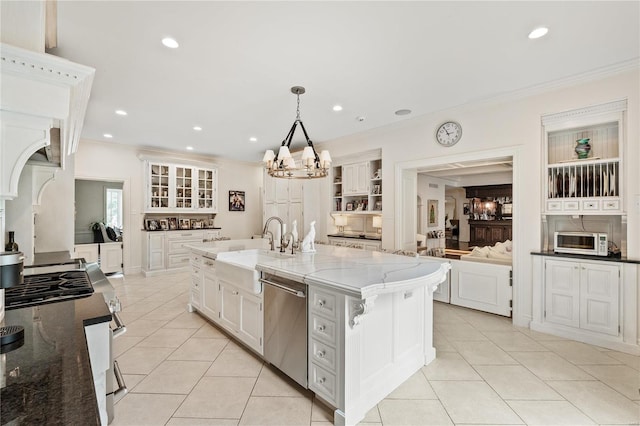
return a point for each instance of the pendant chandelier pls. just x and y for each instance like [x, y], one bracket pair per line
[284, 166]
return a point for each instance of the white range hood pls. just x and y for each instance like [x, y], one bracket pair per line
[38, 92]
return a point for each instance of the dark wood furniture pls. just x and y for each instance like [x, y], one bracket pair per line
[488, 191]
[489, 232]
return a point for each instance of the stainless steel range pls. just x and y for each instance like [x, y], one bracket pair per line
[75, 279]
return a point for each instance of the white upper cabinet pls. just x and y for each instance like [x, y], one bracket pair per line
[356, 178]
[178, 188]
[590, 181]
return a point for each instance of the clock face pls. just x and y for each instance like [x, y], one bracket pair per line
[449, 133]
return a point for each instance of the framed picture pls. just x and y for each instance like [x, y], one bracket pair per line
[210, 224]
[236, 201]
[185, 224]
[465, 209]
[196, 224]
[164, 224]
[349, 207]
[432, 212]
[173, 223]
[151, 225]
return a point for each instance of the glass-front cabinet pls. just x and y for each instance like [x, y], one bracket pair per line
[583, 160]
[158, 189]
[177, 188]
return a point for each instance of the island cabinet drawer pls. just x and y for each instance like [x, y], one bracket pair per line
[323, 329]
[323, 355]
[323, 383]
[324, 303]
[196, 259]
[178, 260]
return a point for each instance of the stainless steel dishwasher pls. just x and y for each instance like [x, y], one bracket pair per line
[285, 326]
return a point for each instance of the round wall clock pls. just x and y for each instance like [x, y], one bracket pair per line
[449, 133]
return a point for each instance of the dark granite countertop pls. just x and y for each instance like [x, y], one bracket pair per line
[48, 378]
[586, 257]
[357, 237]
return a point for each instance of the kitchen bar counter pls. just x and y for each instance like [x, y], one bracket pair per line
[48, 378]
[586, 257]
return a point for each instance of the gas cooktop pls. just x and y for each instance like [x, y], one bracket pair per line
[49, 287]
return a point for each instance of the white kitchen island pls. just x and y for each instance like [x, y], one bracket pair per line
[370, 317]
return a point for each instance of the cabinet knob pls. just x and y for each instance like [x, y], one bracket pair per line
[321, 328]
[234, 293]
[321, 354]
[321, 380]
[320, 302]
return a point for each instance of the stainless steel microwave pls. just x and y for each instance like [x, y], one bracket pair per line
[590, 243]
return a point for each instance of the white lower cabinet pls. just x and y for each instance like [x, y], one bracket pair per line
[210, 293]
[582, 295]
[111, 257]
[325, 335]
[234, 309]
[250, 329]
[195, 297]
[164, 250]
[89, 252]
[153, 251]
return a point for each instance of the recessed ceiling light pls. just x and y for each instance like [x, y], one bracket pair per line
[252, 139]
[197, 128]
[108, 135]
[189, 148]
[360, 118]
[538, 32]
[170, 42]
[121, 112]
[403, 112]
[337, 108]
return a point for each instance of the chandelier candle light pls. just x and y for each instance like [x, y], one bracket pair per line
[284, 166]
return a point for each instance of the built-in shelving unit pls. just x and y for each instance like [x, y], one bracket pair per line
[592, 185]
[357, 186]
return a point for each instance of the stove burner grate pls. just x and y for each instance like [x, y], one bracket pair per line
[47, 288]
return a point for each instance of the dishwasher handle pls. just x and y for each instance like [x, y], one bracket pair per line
[298, 293]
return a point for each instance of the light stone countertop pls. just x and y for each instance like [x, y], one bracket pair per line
[355, 272]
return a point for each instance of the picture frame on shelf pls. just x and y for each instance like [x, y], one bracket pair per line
[185, 224]
[465, 209]
[432, 212]
[196, 224]
[349, 207]
[236, 201]
[164, 224]
[210, 224]
[151, 225]
[378, 205]
[173, 223]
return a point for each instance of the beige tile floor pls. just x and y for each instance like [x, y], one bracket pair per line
[181, 370]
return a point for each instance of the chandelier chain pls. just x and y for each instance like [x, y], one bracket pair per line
[298, 109]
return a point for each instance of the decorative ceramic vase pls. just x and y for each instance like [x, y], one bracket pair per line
[583, 148]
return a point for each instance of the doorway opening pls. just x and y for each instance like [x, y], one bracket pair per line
[442, 181]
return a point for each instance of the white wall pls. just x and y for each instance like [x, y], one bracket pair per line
[512, 124]
[108, 161]
[427, 193]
